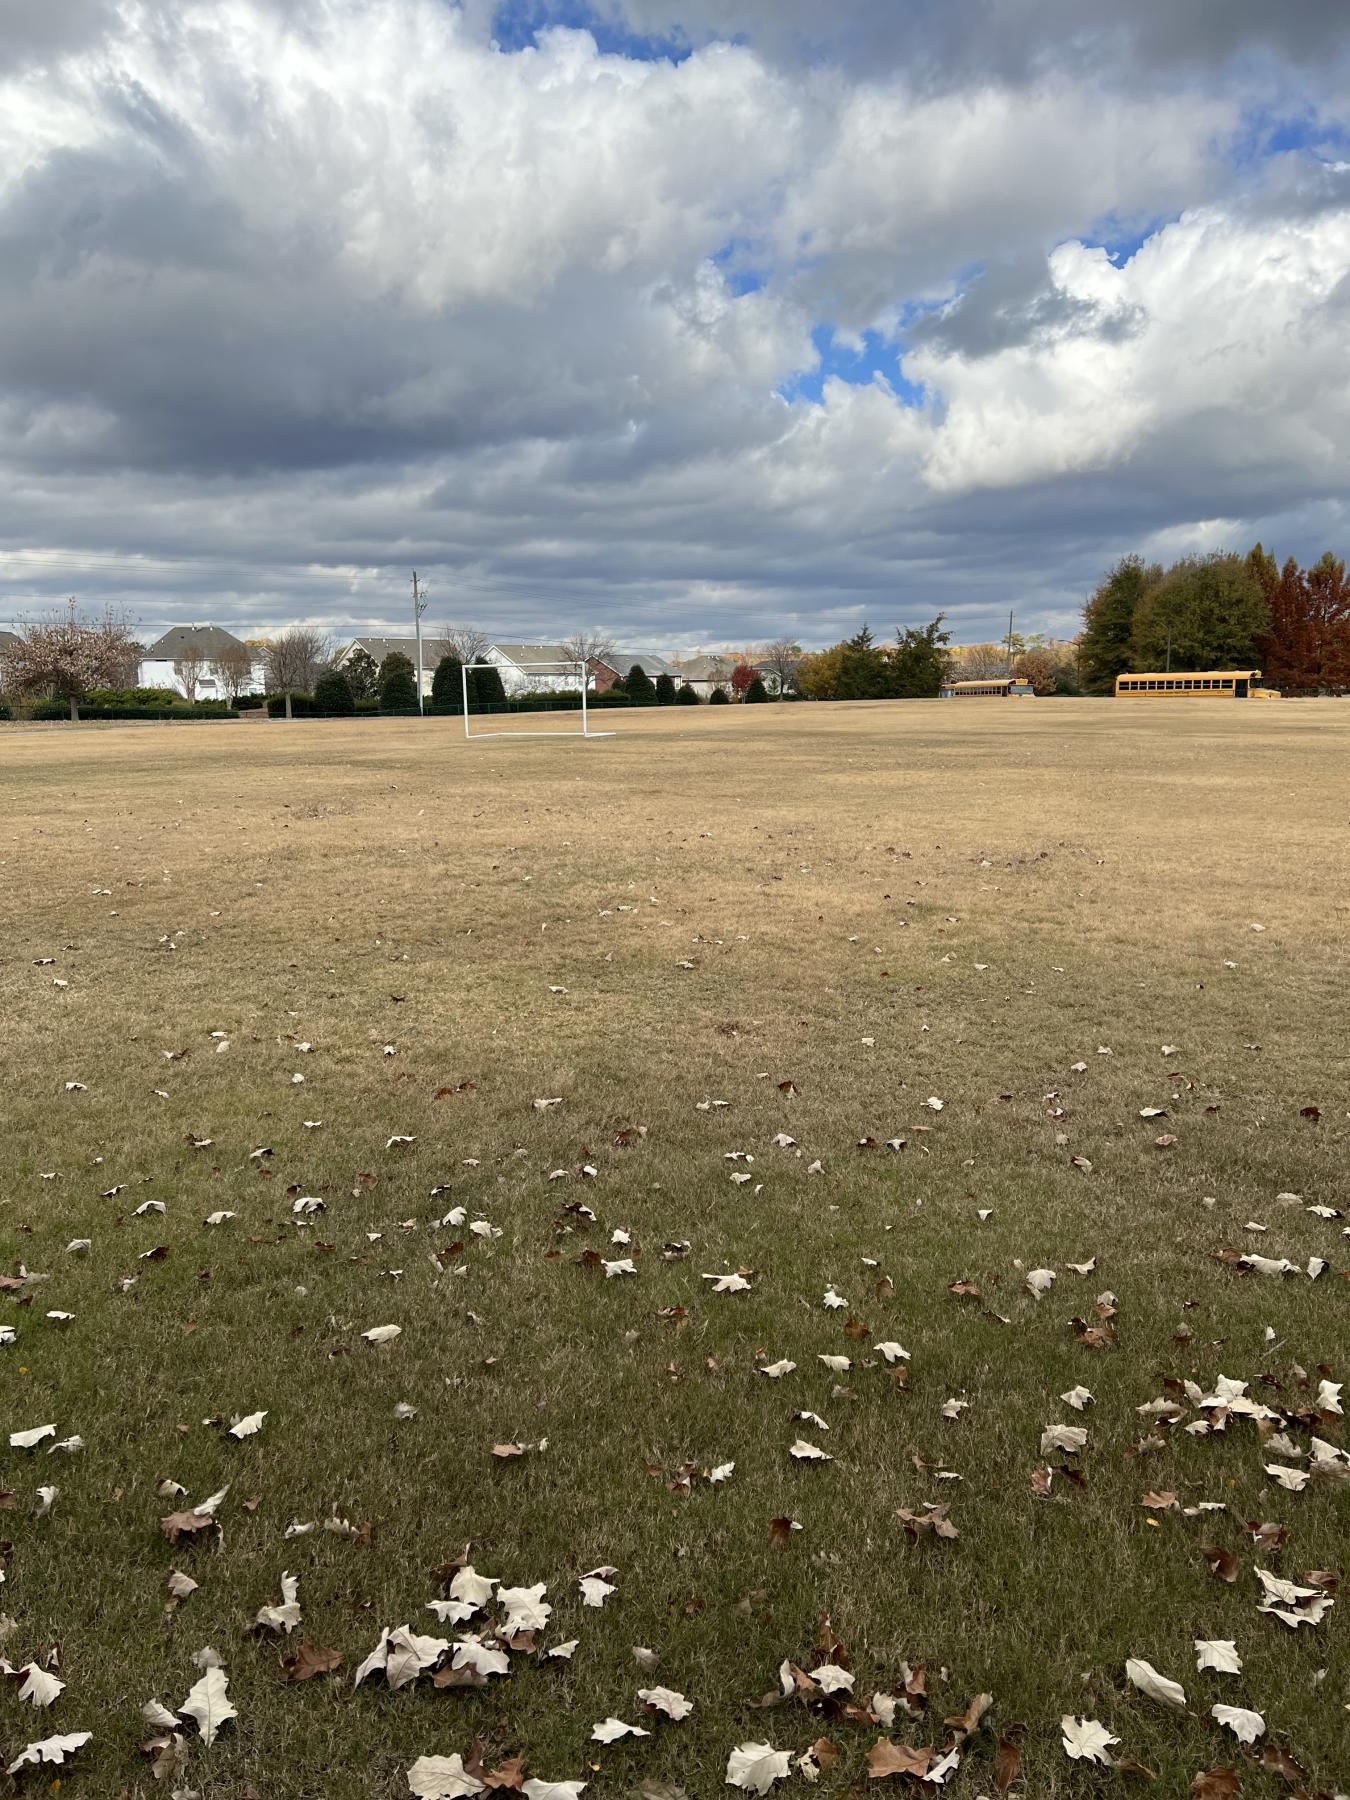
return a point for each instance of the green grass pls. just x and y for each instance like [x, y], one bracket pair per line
[817, 865]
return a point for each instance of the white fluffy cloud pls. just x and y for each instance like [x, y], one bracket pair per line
[293, 294]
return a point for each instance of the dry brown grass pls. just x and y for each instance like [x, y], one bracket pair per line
[833, 874]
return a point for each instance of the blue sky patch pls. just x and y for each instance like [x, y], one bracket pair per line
[878, 356]
[517, 23]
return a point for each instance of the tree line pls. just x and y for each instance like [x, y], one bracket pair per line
[1221, 612]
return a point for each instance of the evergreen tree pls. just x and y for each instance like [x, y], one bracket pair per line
[865, 673]
[718, 697]
[665, 691]
[919, 661]
[686, 695]
[363, 675]
[333, 695]
[1104, 650]
[756, 694]
[398, 690]
[447, 685]
[486, 690]
[639, 687]
[1212, 611]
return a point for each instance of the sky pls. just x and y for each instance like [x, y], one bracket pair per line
[699, 322]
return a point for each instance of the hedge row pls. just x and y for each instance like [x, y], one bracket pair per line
[60, 709]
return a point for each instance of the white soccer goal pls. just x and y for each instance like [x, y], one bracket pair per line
[553, 670]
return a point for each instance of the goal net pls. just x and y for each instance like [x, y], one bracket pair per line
[570, 674]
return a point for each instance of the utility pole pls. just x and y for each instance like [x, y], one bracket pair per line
[419, 607]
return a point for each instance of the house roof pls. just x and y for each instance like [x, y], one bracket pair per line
[621, 661]
[182, 640]
[703, 668]
[8, 637]
[433, 649]
[528, 653]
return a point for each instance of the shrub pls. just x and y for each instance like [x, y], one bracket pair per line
[60, 709]
[302, 706]
[665, 691]
[135, 696]
[686, 696]
[718, 697]
[638, 684]
[333, 695]
[398, 690]
[447, 686]
[741, 677]
[756, 694]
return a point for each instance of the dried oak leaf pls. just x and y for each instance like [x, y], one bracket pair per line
[307, 1661]
[889, 1758]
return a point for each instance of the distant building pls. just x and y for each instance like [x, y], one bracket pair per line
[607, 670]
[206, 645]
[6, 639]
[703, 673]
[377, 648]
[516, 663]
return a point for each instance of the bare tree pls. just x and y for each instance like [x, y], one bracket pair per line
[294, 659]
[189, 668]
[233, 669]
[780, 659]
[980, 662]
[587, 647]
[66, 655]
[466, 642]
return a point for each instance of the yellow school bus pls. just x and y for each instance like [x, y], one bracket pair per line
[1197, 684]
[1005, 688]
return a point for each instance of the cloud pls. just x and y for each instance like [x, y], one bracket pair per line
[294, 295]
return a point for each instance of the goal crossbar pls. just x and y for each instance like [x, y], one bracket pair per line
[540, 667]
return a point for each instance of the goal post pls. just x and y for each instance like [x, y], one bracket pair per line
[542, 668]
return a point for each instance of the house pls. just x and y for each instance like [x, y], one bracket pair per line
[191, 658]
[777, 678]
[606, 670]
[517, 662]
[377, 648]
[704, 672]
[6, 639]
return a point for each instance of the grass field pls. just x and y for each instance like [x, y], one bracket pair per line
[822, 920]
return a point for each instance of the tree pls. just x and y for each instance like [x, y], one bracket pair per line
[486, 690]
[189, 668]
[719, 697]
[398, 689]
[293, 660]
[756, 694]
[233, 669]
[741, 677]
[587, 647]
[920, 660]
[781, 659]
[1041, 668]
[1211, 611]
[66, 655]
[447, 684]
[363, 675]
[466, 642]
[980, 662]
[333, 695]
[1328, 661]
[638, 685]
[865, 672]
[665, 690]
[1307, 648]
[818, 674]
[861, 640]
[1105, 647]
[686, 695]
